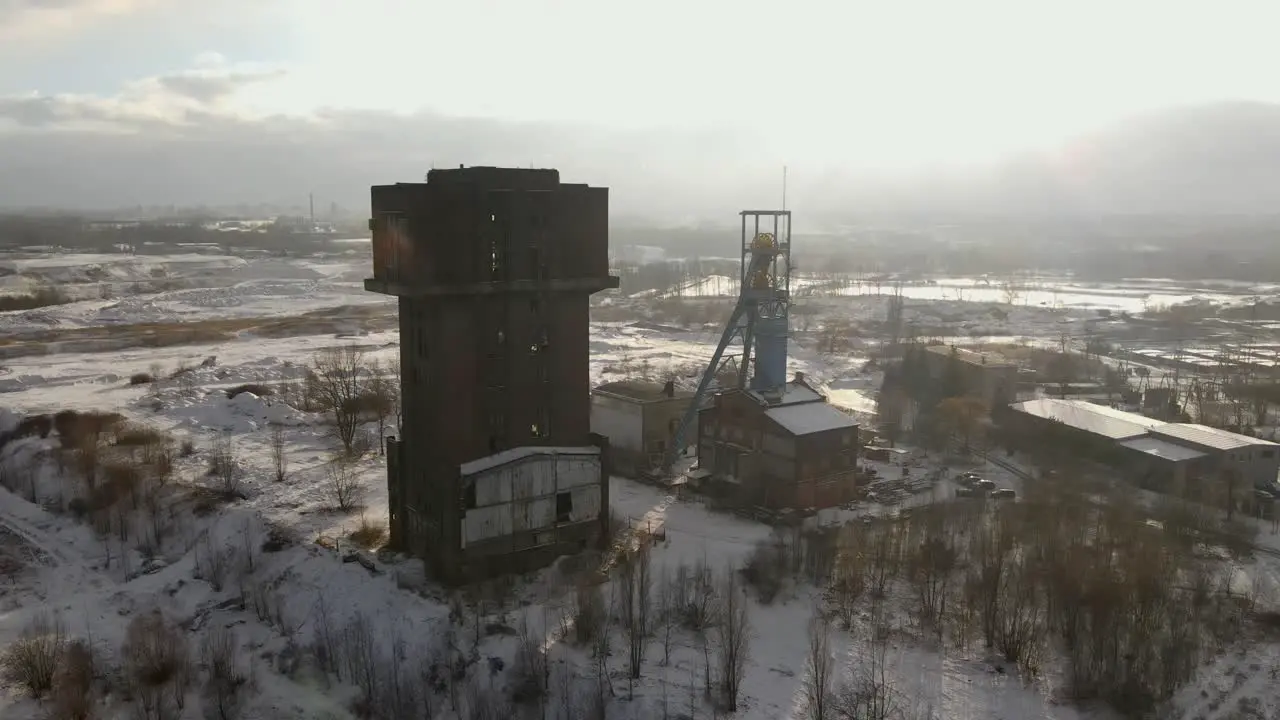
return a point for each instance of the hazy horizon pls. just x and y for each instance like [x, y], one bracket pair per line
[992, 107]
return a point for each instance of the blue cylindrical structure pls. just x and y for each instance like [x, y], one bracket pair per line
[770, 353]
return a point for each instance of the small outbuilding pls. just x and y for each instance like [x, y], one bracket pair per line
[639, 418]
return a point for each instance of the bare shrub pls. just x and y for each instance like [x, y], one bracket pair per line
[212, 563]
[589, 613]
[531, 675]
[157, 663]
[223, 693]
[72, 696]
[224, 468]
[335, 383]
[43, 296]
[343, 483]
[32, 660]
[279, 457]
[253, 388]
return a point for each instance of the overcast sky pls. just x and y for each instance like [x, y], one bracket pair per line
[636, 94]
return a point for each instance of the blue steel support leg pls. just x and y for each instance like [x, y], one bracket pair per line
[677, 442]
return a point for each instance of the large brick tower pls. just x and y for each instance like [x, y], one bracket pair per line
[496, 468]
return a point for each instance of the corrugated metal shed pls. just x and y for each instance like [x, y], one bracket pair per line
[1162, 449]
[809, 418]
[1097, 419]
[1206, 436]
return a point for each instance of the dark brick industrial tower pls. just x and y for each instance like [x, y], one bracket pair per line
[496, 468]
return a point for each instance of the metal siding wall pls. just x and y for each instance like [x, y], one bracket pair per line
[586, 504]
[621, 422]
[485, 523]
[578, 471]
[496, 487]
[534, 514]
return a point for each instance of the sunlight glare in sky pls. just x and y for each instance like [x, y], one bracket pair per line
[864, 83]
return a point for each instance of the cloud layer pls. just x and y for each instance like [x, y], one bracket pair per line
[183, 138]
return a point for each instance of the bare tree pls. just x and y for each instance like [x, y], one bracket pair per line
[224, 468]
[817, 684]
[380, 398]
[223, 688]
[157, 663]
[733, 639]
[279, 458]
[335, 383]
[344, 483]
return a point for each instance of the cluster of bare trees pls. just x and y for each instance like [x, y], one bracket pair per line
[353, 389]
[157, 670]
[1130, 607]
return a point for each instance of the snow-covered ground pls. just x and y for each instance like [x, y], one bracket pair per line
[288, 544]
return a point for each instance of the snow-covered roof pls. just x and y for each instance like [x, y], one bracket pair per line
[1162, 449]
[1097, 419]
[489, 462]
[1206, 436]
[809, 418]
[793, 393]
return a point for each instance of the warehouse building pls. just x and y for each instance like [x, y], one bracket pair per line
[779, 449]
[639, 418]
[1159, 455]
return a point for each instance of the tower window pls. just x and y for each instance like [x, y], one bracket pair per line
[564, 506]
[469, 496]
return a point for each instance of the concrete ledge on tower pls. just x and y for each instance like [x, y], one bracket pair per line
[400, 289]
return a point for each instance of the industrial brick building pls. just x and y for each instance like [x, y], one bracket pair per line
[780, 448]
[985, 376]
[497, 468]
[639, 418]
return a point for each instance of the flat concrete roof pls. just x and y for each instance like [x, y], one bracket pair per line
[639, 391]
[1097, 419]
[1162, 449]
[793, 393]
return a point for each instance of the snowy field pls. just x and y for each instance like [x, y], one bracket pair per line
[280, 573]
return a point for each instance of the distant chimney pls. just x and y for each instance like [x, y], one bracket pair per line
[799, 376]
[669, 389]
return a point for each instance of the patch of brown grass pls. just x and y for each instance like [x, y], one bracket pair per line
[370, 535]
[371, 318]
